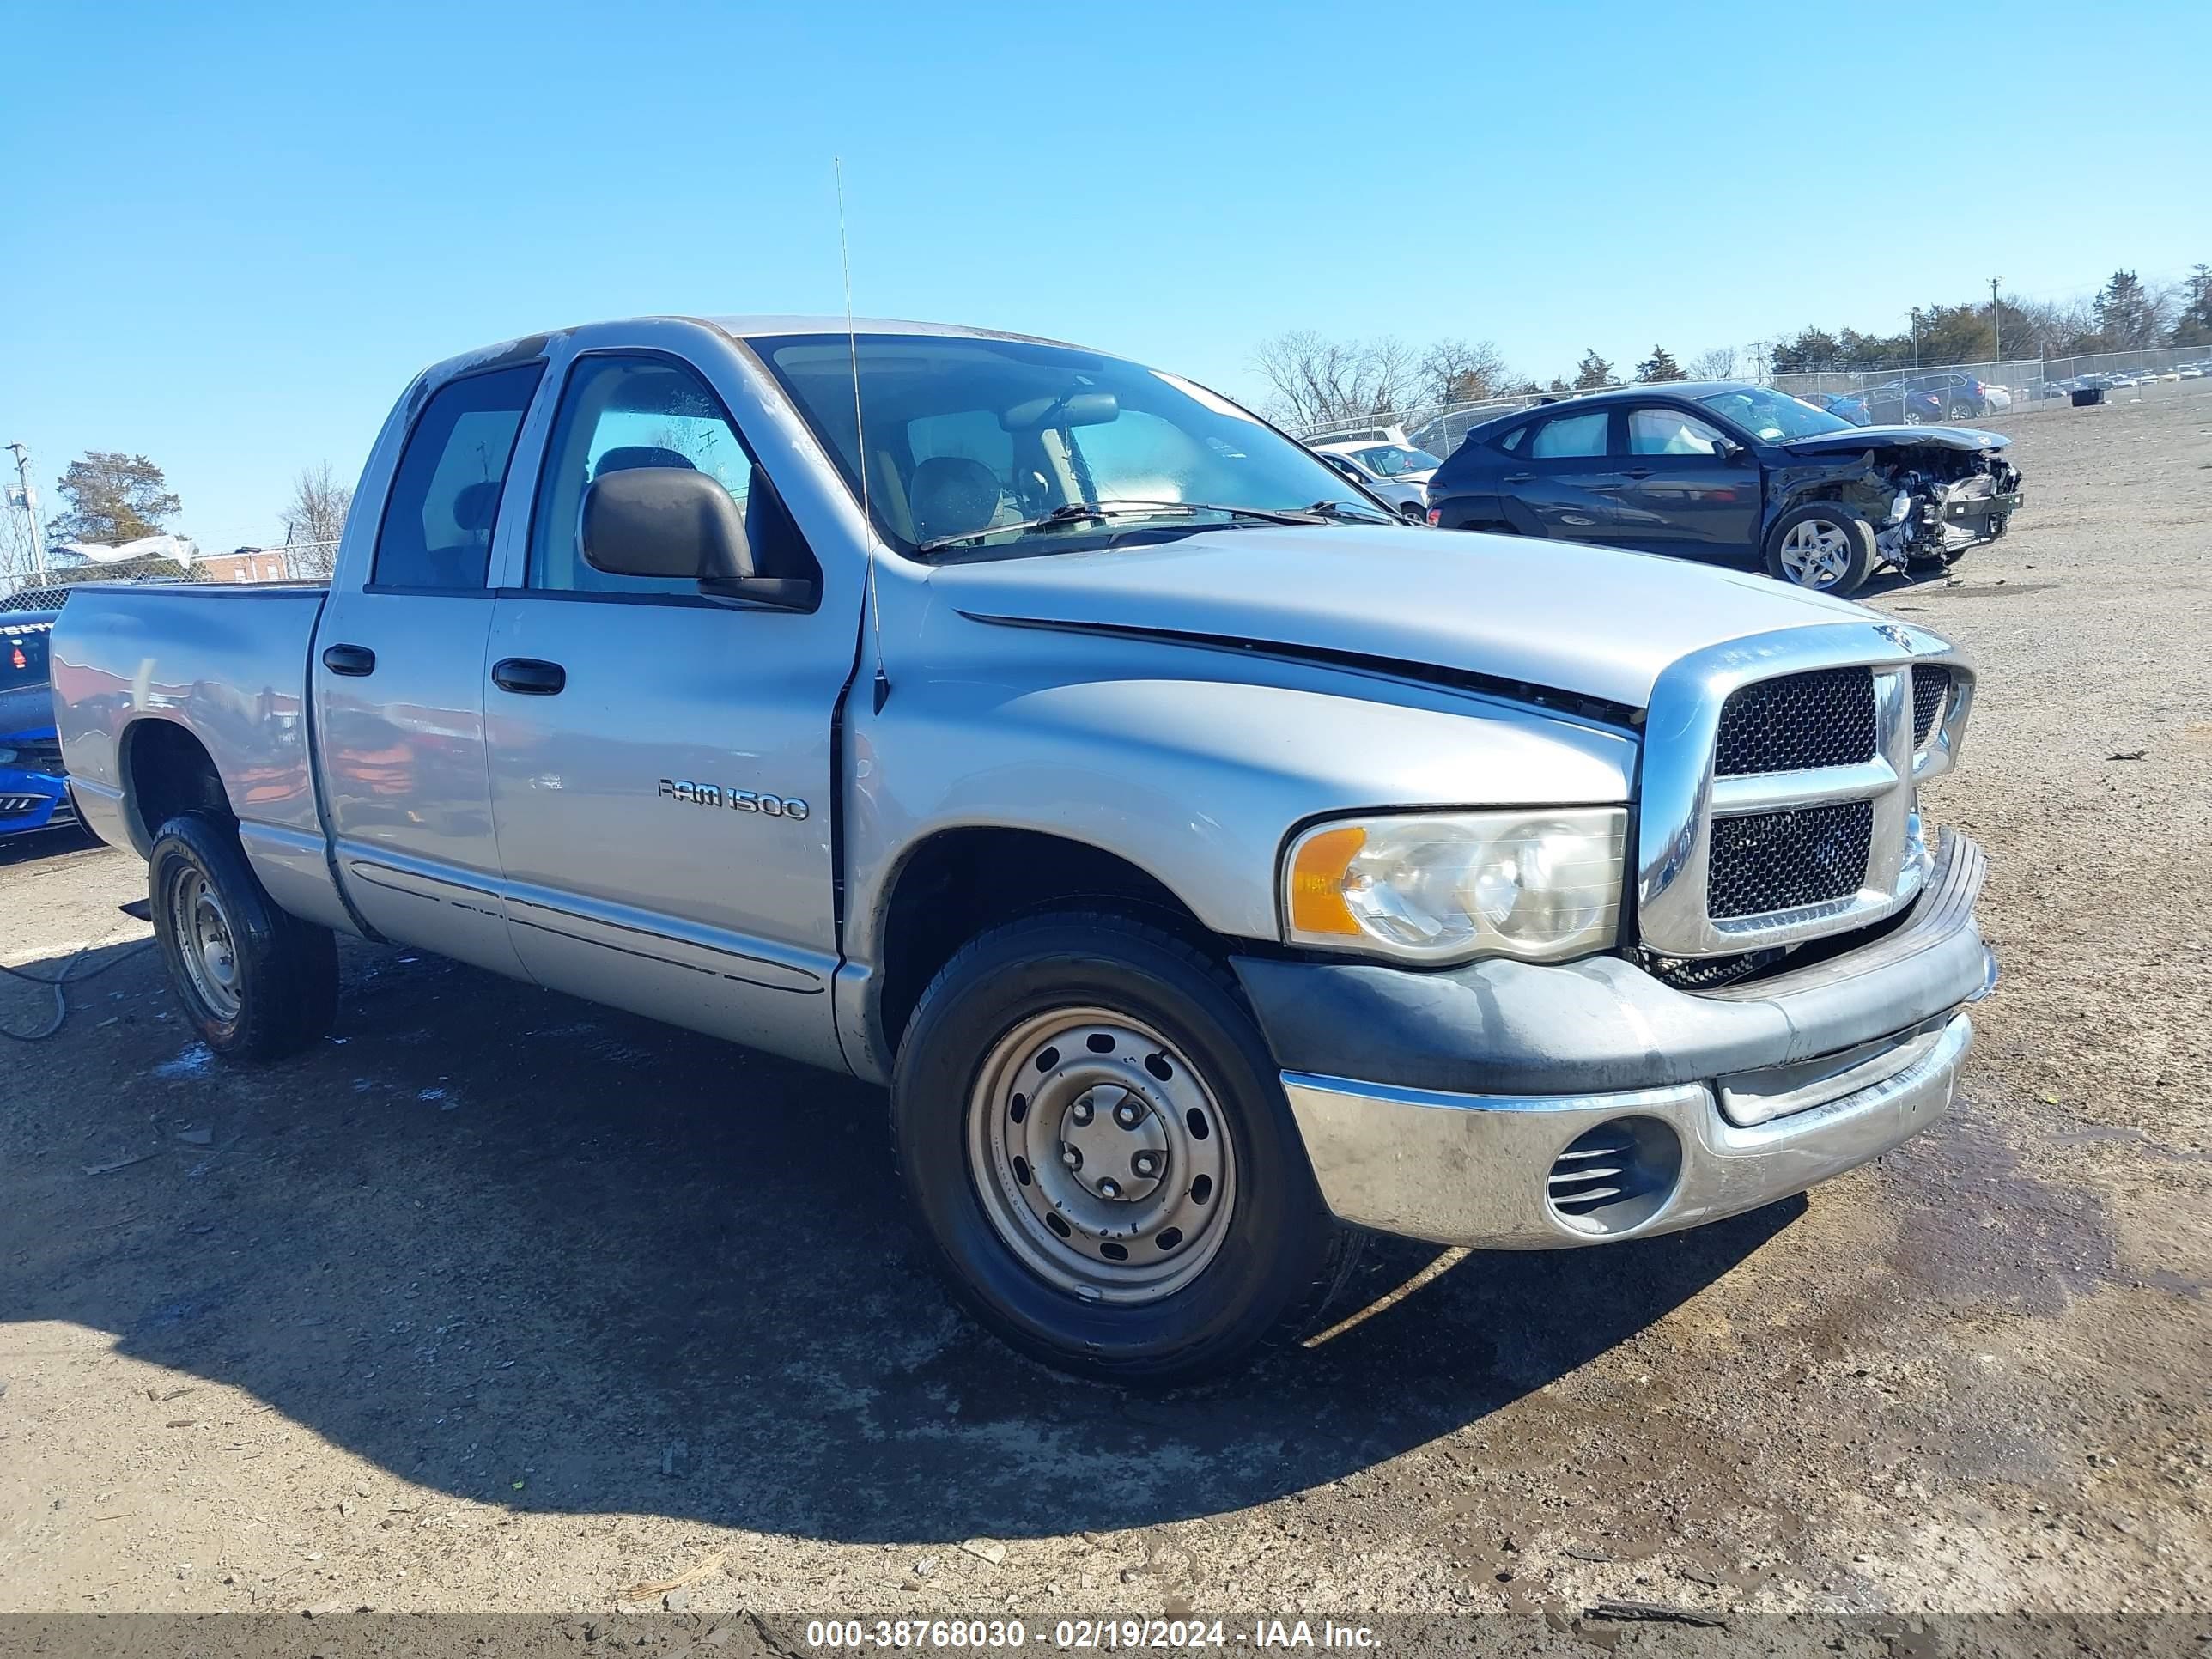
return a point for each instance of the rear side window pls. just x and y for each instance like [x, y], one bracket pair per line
[444, 503]
[1569, 436]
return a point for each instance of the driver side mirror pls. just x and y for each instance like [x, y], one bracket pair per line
[676, 523]
[1731, 452]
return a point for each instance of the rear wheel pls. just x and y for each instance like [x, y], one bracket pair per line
[1095, 1139]
[1822, 546]
[256, 982]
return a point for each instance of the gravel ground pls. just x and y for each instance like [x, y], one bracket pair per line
[501, 1302]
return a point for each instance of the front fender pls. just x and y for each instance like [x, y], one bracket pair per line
[1191, 763]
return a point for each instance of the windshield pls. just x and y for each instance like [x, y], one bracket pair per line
[1773, 417]
[1395, 461]
[972, 441]
[22, 653]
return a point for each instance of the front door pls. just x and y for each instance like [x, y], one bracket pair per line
[399, 679]
[1680, 492]
[660, 762]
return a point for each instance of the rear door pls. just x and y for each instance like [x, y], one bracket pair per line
[1678, 493]
[399, 682]
[1559, 479]
[660, 762]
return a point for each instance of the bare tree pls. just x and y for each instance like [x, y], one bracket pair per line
[1458, 372]
[1713, 363]
[1316, 380]
[1393, 370]
[315, 518]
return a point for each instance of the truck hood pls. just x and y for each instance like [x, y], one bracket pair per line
[1898, 437]
[1555, 615]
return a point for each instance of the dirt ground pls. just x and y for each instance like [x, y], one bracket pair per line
[497, 1301]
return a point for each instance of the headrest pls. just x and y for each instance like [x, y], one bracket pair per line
[635, 455]
[476, 505]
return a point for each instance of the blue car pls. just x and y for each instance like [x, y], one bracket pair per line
[32, 795]
[1849, 409]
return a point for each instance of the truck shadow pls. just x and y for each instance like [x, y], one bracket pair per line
[518, 1249]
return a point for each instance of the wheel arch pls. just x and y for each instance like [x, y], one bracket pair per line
[164, 770]
[960, 881]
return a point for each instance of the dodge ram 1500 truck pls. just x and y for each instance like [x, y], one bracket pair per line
[1210, 866]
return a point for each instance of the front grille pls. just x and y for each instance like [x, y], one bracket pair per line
[1765, 862]
[1930, 685]
[1796, 723]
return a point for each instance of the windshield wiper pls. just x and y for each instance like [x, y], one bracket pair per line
[1099, 512]
[1345, 513]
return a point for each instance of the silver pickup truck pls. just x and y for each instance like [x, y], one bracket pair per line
[1210, 865]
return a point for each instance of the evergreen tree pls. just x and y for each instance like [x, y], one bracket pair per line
[1592, 372]
[1660, 366]
[113, 498]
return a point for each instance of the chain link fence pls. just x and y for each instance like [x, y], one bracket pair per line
[2016, 382]
[2019, 379]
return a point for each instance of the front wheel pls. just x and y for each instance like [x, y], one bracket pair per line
[1097, 1141]
[1823, 546]
[256, 982]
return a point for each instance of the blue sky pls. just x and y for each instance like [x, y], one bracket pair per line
[233, 232]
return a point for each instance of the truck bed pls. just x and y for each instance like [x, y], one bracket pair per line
[228, 664]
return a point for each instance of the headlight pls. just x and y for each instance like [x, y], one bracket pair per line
[1542, 885]
[1901, 504]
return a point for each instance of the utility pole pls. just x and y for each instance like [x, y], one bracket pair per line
[1997, 319]
[30, 495]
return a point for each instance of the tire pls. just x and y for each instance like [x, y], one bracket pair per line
[1836, 563]
[256, 982]
[1212, 1269]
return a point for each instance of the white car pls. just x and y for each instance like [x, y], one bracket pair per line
[1398, 472]
[1996, 397]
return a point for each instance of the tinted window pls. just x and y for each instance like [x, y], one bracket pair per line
[619, 413]
[1565, 436]
[23, 654]
[444, 503]
[1670, 432]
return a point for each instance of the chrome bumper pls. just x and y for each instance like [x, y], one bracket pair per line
[1477, 1169]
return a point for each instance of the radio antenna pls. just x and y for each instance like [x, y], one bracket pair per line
[883, 684]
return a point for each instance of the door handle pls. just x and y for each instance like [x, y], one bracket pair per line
[1520, 477]
[527, 676]
[352, 660]
[1637, 472]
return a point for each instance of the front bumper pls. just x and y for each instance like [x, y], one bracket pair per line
[1440, 1105]
[31, 801]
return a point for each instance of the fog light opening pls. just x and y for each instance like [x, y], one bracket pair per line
[1614, 1178]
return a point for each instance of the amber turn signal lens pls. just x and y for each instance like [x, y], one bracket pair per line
[1317, 904]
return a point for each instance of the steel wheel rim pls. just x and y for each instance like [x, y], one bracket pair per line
[1816, 553]
[205, 943]
[1143, 1207]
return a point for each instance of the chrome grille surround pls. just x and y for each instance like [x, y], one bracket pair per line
[1680, 796]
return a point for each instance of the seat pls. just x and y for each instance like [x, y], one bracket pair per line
[953, 496]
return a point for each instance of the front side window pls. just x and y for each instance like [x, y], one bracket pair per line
[618, 413]
[1565, 437]
[982, 442]
[1670, 432]
[443, 505]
